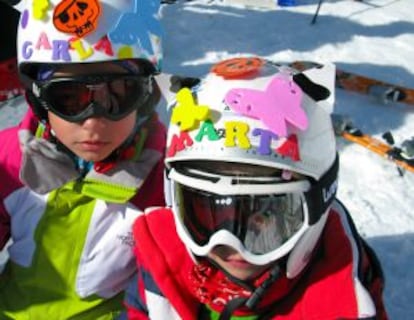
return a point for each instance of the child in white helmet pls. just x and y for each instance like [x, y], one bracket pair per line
[254, 230]
[86, 160]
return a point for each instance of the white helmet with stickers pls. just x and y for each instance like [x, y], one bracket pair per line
[249, 111]
[84, 31]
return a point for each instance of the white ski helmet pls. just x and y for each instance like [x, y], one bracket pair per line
[251, 111]
[84, 31]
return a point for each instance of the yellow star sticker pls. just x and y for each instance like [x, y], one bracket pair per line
[186, 113]
[39, 8]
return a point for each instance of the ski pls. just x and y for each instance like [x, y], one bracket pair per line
[384, 91]
[402, 156]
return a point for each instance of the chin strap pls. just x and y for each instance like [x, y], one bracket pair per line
[232, 306]
[254, 299]
[261, 290]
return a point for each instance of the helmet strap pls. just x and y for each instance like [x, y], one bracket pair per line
[261, 290]
[38, 109]
[232, 306]
[254, 299]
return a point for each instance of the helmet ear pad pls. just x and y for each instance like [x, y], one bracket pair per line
[300, 255]
[312, 89]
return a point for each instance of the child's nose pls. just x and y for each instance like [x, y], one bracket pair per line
[95, 123]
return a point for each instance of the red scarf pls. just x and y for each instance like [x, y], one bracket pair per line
[211, 286]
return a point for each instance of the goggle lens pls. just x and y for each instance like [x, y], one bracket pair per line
[262, 223]
[110, 96]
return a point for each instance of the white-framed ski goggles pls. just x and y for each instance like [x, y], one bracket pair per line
[260, 217]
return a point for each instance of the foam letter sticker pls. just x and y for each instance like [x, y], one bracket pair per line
[178, 143]
[237, 131]
[43, 42]
[78, 46]
[290, 148]
[207, 129]
[266, 137]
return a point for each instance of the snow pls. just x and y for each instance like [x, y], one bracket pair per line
[375, 38]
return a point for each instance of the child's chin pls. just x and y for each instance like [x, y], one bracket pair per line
[243, 273]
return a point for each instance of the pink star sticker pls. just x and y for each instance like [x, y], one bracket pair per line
[277, 105]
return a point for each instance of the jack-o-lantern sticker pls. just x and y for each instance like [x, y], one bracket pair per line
[238, 67]
[77, 17]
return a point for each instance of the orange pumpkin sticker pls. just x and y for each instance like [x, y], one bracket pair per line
[77, 17]
[238, 67]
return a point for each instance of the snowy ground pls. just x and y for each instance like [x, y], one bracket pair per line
[374, 38]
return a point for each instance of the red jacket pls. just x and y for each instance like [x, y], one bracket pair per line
[343, 281]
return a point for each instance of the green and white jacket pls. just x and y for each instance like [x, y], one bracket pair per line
[71, 253]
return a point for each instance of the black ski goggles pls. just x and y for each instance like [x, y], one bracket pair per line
[77, 98]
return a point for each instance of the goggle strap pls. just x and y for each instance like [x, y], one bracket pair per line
[38, 108]
[322, 193]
